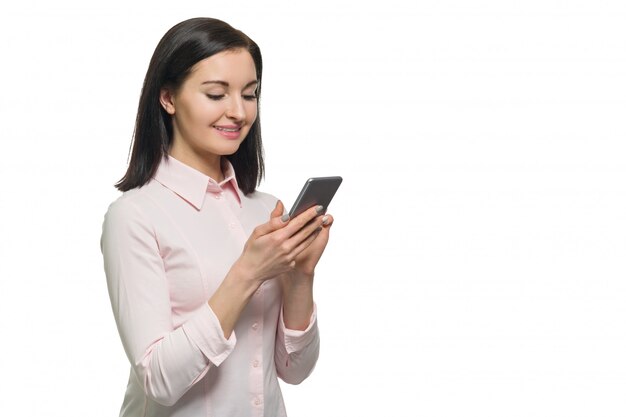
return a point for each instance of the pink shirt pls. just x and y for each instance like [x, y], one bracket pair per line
[167, 246]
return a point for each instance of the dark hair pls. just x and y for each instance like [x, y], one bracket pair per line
[178, 51]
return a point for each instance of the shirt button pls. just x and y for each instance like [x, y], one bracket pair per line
[255, 363]
[257, 401]
[255, 326]
[218, 196]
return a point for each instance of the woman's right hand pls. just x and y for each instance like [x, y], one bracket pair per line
[272, 247]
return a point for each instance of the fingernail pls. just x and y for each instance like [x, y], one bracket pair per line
[324, 220]
[285, 218]
[319, 209]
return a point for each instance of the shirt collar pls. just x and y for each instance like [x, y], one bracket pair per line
[191, 184]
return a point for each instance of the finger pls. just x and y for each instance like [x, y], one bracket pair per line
[274, 224]
[303, 219]
[325, 233]
[311, 228]
[327, 221]
[306, 242]
[278, 210]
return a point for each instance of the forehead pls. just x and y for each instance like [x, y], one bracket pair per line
[234, 66]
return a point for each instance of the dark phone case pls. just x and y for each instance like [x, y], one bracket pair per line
[316, 191]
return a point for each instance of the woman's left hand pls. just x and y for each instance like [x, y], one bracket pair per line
[306, 260]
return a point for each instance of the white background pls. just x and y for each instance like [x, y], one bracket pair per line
[477, 263]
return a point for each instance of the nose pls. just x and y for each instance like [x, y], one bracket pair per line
[235, 109]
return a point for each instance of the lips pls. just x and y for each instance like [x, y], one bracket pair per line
[228, 128]
[228, 131]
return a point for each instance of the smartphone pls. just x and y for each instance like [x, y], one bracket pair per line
[316, 191]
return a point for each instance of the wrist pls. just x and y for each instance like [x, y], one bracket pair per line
[302, 276]
[243, 278]
[299, 281]
[298, 286]
[298, 305]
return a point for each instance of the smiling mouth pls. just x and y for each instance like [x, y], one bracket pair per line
[228, 129]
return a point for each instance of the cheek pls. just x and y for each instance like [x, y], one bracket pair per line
[196, 113]
[204, 110]
[251, 112]
[210, 112]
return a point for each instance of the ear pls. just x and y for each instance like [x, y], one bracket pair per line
[166, 98]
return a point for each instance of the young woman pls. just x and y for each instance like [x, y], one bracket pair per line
[210, 282]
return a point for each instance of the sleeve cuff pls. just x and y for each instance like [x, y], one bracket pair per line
[205, 330]
[297, 340]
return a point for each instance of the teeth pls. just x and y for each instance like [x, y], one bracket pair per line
[227, 129]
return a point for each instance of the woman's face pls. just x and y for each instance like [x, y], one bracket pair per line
[214, 108]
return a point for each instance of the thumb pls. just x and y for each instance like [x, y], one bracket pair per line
[276, 222]
[278, 210]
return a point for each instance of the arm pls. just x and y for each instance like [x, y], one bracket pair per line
[297, 345]
[297, 285]
[297, 338]
[167, 361]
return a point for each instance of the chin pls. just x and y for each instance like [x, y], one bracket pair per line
[229, 150]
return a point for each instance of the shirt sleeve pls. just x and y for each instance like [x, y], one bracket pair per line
[167, 360]
[296, 351]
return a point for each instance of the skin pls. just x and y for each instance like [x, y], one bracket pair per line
[288, 251]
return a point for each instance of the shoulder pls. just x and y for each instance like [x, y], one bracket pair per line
[266, 200]
[128, 228]
[126, 203]
[131, 207]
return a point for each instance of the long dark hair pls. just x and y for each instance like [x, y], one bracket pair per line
[178, 51]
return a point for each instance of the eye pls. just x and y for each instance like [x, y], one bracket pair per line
[215, 97]
[249, 97]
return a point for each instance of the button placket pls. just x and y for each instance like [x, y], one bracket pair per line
[256, 358]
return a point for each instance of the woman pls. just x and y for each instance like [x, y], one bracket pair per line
[210, 282]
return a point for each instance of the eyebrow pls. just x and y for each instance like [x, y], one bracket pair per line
[225, 84]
